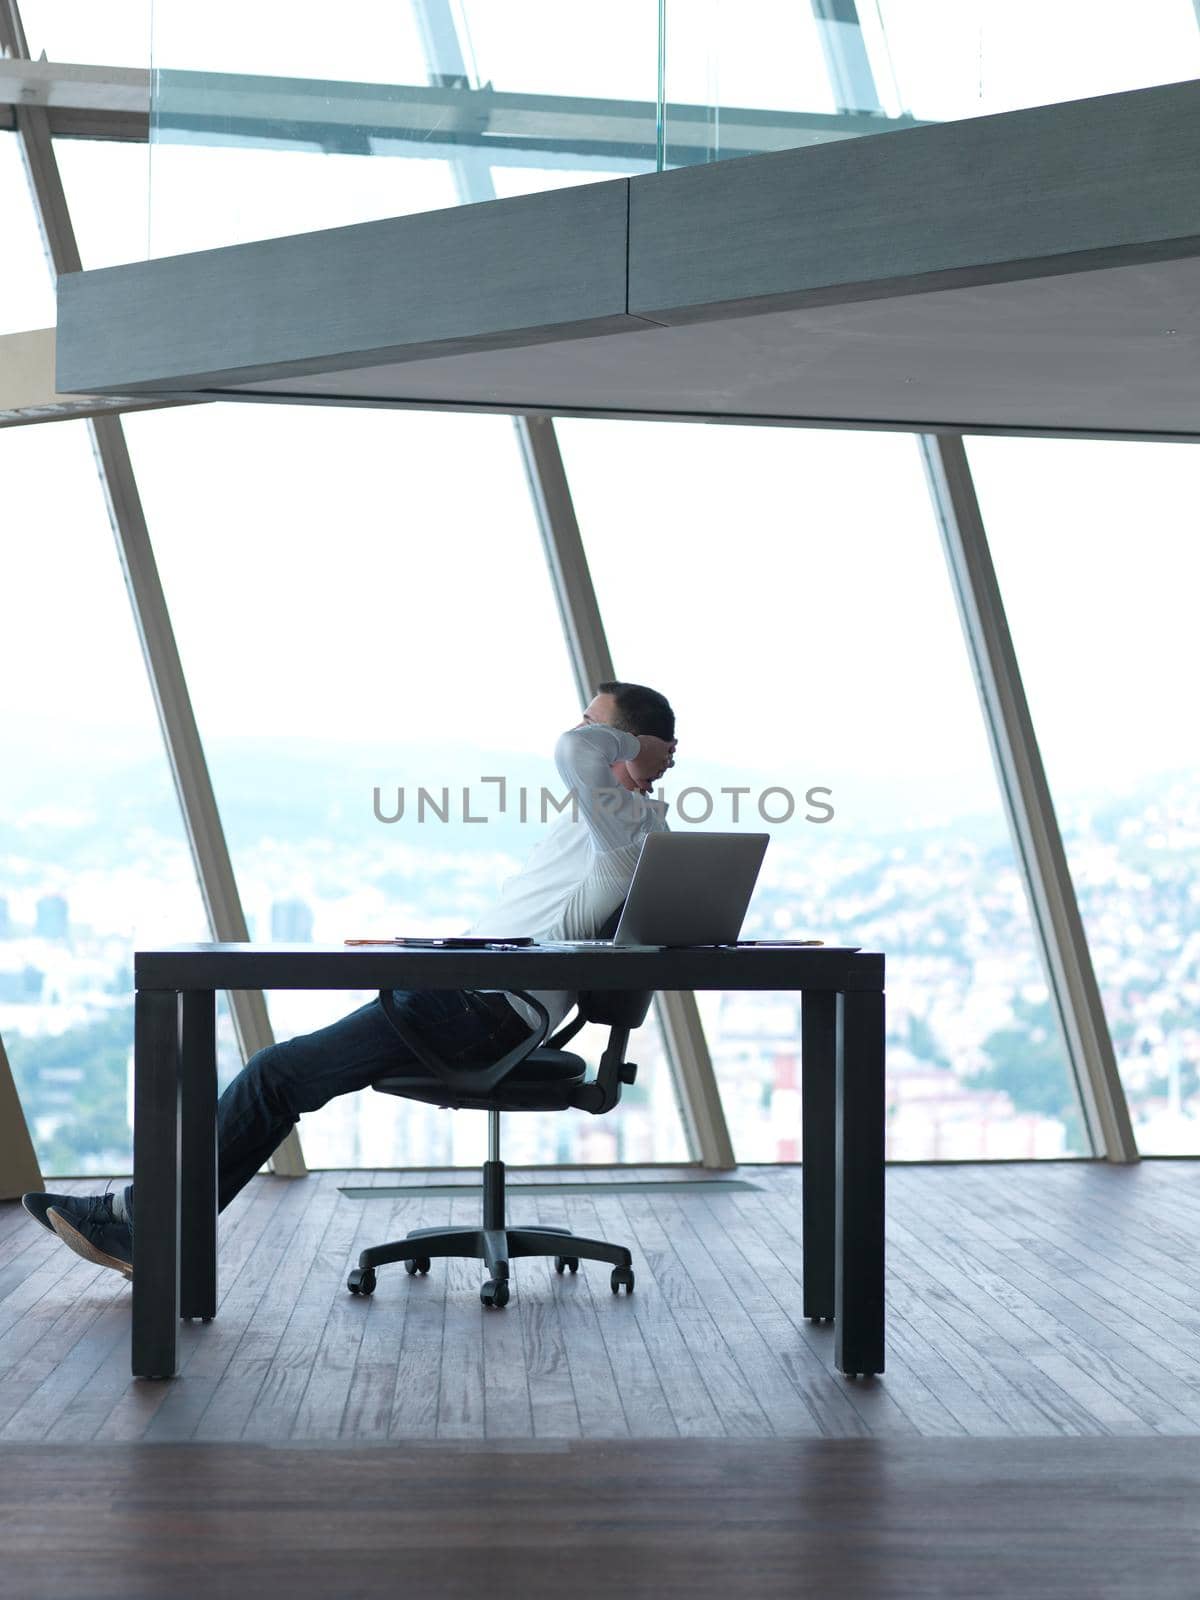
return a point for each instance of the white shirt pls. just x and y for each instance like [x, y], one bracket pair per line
[579, 873]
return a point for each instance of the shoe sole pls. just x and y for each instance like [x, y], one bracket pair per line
[83, 1246]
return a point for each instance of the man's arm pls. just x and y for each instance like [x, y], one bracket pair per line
[584, 757]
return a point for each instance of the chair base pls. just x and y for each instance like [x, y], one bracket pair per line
[496, 1247]
[494, 1243]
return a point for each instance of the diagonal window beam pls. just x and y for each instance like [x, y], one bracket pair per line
[1058, 926]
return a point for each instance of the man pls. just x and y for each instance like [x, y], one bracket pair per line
[570, 886]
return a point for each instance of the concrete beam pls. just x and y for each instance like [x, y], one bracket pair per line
[1033, 271]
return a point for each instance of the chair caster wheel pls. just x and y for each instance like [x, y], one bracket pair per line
[361, 1281]
[495, 1293]
[622, 1277]
[420, 1264]
[562, 1263]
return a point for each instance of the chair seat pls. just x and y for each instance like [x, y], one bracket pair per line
[543, 1073]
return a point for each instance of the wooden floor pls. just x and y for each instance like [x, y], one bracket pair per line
[863, 1519]
[1024, 1300]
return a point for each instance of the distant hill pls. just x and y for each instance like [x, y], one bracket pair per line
[86, 797]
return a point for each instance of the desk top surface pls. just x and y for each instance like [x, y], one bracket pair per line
[314, 966]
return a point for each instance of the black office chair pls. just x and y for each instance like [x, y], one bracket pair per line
[532, 1077]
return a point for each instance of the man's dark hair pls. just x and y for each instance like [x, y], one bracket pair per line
[640, 710]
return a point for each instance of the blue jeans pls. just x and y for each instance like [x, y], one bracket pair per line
[266, 1099]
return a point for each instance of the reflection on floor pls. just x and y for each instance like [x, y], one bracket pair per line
[1024, 1300]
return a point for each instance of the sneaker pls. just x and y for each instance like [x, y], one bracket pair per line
[38, 1205]
[96, 1235]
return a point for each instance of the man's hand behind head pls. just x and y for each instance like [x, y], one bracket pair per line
[656, 754]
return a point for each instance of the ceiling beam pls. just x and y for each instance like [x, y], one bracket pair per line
[27, 392]
[82, 102]
[431, 121]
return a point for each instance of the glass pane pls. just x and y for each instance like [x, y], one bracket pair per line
[257, 129]
[740, 80]
[363, 605]
[544, 86]
[947, 59]
[261, 126]
[1096, 549]
[98, 32]
[787, 591]
[26, 289]
[106, 185]
[541, 47]
[774, 75]
[208, 194]
[93, 862]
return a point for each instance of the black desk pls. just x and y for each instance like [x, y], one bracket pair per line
[175, 1091]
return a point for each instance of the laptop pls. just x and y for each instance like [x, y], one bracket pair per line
[687, 889]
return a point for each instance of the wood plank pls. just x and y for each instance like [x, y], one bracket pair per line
[1024, 1301]
[460, 1383]
[1077, 1324]
[597, 1393]
[686, 1519]
[734, 1297]
[770, 1284]
[368, 1411]
[645, 1405]
[321, 1254]
[692, 1411]
[249, 1368]
[778, 1220]
[736, 1408]
[118, 1406]
[323, 1403]
[421, 1302]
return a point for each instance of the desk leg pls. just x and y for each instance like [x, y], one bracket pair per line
[155, 1183]
[198, 1153]
[818, 1047]
[858, 1332]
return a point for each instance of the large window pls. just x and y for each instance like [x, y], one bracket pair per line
[787, 591]
[1096, 548]
[362, 601]
[103, 32]
[362, 605]
[93, 862]
[944, 59]
[26, 293]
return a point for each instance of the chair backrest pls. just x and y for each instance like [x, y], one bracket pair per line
[615, 1008]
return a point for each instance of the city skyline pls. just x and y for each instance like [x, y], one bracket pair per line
[949, 912]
